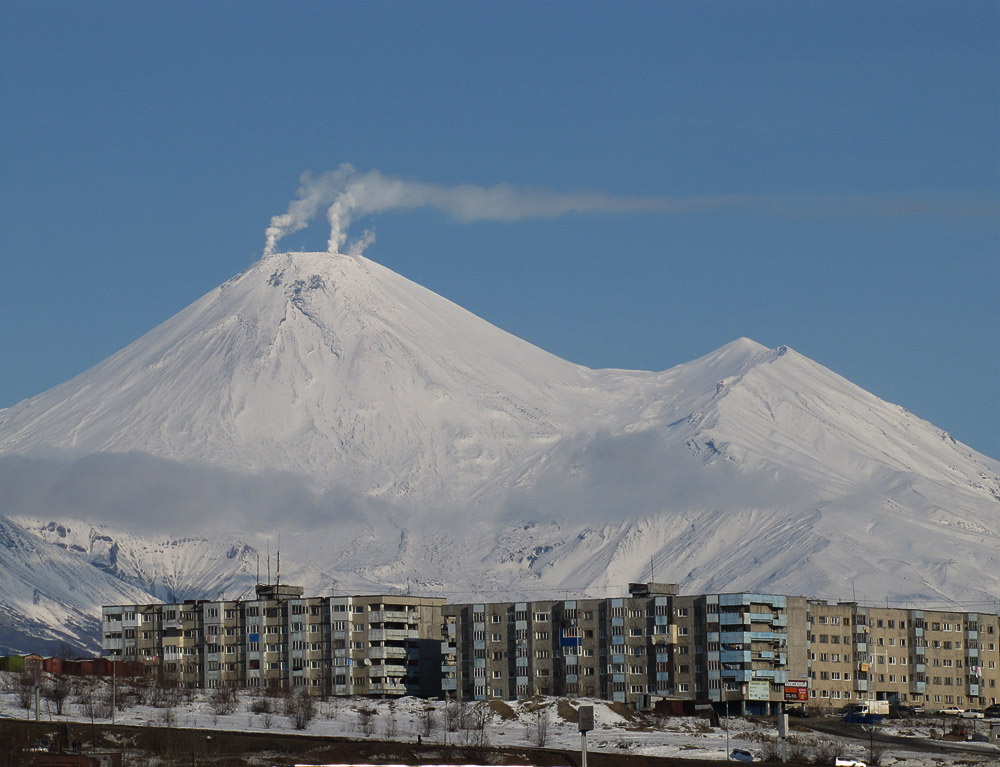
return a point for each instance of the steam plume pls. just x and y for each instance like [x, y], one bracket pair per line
[347, 194]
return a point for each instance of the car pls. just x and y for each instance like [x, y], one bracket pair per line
[993, 712]
[952, 711]
[742, 755]
[798, 712]
[973, 714]
[849, 761]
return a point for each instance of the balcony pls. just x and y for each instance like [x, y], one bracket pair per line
[388, 689]
[391, 635]
[387, 652]
[391, 616]
[733, 619]
[735, 656]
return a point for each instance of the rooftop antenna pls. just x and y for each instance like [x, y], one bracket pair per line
[258, 568]
[268, 561]
[652, 578]
[277, 575]
[854, 594]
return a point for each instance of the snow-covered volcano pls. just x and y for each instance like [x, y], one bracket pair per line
[393, 437]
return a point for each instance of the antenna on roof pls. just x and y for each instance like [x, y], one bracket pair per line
[652, 578]
[268, 561]
[258, 568]
[277, 575]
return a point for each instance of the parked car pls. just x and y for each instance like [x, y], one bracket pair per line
[952, 711]
[973, 713]
[741, 755]
[799, 712]
[849, 761]
[993, 712]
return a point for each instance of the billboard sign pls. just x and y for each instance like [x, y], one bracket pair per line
[797, 691]
[759, 690]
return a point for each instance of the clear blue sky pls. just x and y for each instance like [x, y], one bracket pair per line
[145, 147]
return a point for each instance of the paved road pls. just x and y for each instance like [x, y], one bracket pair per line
[836, 726]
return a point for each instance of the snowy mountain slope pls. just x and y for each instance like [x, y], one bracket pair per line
[396, 440]
[48, 594]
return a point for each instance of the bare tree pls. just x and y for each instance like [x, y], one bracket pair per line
[303, 709]
[56, 691]
[391, 725]
[427, 722]
[475, 727]
[366, 719]
[541, 727]
[24, 687]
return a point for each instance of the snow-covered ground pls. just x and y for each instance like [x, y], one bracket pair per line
[549, 722]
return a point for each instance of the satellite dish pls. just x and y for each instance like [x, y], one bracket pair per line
[368, 661]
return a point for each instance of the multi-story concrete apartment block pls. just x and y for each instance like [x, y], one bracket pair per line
[745, 652]
[652, 644]
[926, 658]
[752, 655]
[613, 648]
[351, 645]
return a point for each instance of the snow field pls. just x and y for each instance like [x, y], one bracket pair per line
[536, 722]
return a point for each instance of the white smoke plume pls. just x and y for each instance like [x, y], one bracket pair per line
[347, 194]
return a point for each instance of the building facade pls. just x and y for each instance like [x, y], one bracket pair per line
[929, 658]
[652, 645]
[745, 652]
[347, 645]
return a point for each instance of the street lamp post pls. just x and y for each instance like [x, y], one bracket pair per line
[725, 698]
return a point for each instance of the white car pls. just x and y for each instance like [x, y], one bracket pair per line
[849, 761]
[972, 715]
[952, 711]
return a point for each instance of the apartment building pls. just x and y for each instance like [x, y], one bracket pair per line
[611, 648]
[745, 652]
[651, 645]
[928, 658]
[386, 645]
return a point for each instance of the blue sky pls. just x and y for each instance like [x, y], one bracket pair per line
[145, 147]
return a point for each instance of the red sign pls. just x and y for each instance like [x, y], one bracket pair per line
[797, 691]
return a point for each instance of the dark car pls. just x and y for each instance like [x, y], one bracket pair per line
[993, 712]
[798, 712]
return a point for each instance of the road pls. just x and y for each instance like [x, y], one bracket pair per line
[832, 725]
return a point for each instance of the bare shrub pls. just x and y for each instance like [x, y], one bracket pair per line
[540, 728]
[366, 720]
[303, 709]
[224, 700]
[427, 722]
[475, 730]
[56, 691]
[391, 725]
[24, 688]
[260, 706]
